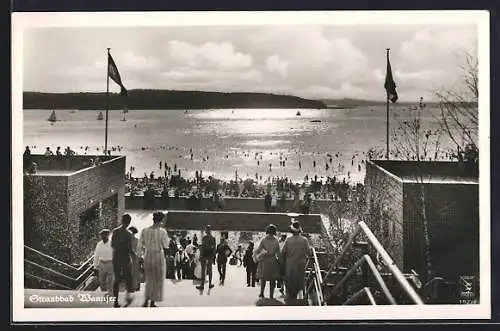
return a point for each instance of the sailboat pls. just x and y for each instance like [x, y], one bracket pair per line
[100, 117]
[52, 118]
[298, 113]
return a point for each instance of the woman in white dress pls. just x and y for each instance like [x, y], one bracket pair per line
[152, 243]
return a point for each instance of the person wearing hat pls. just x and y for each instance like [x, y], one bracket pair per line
[136, 265]
[207, 257]
[267, 256]
[250, 265]
[294, 254]
[103, 262]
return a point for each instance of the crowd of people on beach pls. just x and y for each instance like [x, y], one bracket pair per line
[122, 258]
[278, 188]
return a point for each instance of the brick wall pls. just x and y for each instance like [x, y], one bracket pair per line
[45, 215]
[91, 186]
[384, 199]
[453, 217]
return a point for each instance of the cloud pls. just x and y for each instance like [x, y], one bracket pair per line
[276, 65]
[311, 57]
[134, 62]
[210, 54]
[326, 61]
[434, 47]
[202, 75]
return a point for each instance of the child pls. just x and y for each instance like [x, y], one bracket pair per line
[250, 265]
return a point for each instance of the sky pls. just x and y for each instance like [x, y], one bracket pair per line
[311, 61]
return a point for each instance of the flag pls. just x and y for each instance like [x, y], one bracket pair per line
[390, 85]
[115, 75]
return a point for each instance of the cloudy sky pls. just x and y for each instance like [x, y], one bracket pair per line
[324, 61]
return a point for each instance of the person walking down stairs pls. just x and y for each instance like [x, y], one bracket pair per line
[267, 254]
[103, 262]
[223, 252]
[207, 257]
[295, 252]
[121, 242]
[152, 243]
[250, 265]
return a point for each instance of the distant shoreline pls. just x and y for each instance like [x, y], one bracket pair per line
[178, 99]
[166, 99]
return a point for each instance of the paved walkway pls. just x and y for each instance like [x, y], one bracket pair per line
[177, 293]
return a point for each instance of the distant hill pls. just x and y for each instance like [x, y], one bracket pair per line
[165, 99]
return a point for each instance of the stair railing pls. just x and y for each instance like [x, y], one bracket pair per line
[44, 280]
[316, 280]
[364, 291]
[80, 275]
[361, 227]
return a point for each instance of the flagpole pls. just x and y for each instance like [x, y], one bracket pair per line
[107, 107]
[387, 116]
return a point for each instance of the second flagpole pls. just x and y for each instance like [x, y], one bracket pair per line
[107, 107]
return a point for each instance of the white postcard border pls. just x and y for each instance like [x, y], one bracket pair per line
[21, 21]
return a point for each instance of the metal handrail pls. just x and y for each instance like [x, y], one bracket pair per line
[410, 291]
[46, 280]
[51, 258]
[342, 254]
[316, 265]
[378, 277]
[51, 270]
[412, 294]
[364, 290]
[318, 278]
[82, 285]
[77, 282]
[317, 288]
[59, 261]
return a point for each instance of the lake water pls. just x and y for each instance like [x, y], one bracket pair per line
[223, 141]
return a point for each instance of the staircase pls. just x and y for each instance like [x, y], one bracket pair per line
[176, 293]
[347, 278]
[329, 282]
[42, 271]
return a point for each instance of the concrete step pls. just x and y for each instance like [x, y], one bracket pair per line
[177, 293]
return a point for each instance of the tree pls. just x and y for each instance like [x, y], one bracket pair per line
[418, 144]
[459, 112]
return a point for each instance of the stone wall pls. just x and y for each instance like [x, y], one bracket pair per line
[384, 199]
[238, 221]
[231, 204]
[86, 189]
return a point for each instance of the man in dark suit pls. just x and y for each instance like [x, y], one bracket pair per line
[121, 242]
[267, 201]
[207, 257]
